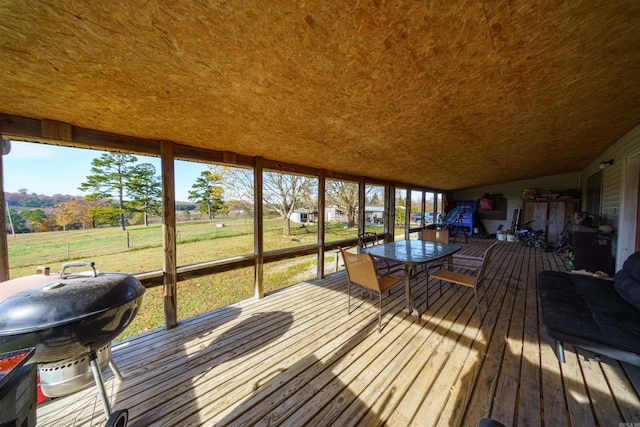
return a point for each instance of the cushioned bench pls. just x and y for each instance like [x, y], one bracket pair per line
[598, 315]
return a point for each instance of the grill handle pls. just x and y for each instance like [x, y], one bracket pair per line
[79, 264]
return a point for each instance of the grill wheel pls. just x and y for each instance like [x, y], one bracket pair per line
[118, 418]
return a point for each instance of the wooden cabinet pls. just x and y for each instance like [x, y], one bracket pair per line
[551, 216]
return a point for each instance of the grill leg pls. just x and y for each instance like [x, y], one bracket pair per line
[115, 370]
[560, 351]
[97, 376]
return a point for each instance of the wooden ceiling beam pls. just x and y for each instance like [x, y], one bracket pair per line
[63, 134]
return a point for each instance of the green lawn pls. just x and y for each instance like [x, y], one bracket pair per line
[139, 249]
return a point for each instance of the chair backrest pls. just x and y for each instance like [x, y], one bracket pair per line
[361, 269]
[367, 239]
[486, 256]
[452, 216]
[440, 236]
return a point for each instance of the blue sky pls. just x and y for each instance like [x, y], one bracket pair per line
[50, 169]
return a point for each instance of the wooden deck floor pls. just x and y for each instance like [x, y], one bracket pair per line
[297, 358]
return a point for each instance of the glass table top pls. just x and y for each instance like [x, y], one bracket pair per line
[412, 251]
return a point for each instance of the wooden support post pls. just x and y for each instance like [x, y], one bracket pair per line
[169, 267]
[258, 235]
[361, 205]
[4, 250]
[407, 215]
[321, 206]
[422, 209]
[389, 212]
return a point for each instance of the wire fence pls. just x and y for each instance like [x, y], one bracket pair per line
[139, 248]
[90, 246]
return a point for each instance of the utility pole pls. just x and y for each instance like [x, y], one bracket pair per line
[4, 251]
[6, 204]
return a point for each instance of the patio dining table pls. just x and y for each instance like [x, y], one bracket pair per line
[412, 253]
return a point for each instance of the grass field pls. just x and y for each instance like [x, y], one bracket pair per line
[139, 249]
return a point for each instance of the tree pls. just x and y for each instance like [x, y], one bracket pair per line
[35, 218]
[208, 192]
[63, 213]
[103, 212]
[109, 179]
[17, 221]
[401, 208]
[238, 185]
[144, 189]
[185, 207]
[283, 193]
[74, 211]
[344, 195]
[375, 200]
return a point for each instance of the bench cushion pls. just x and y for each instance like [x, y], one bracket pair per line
[583, 309]
[627, 281]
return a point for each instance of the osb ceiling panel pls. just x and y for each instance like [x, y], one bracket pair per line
[436, 93]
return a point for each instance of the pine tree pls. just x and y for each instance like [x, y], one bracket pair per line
[109, 179]
[144, 189]
[208, 191]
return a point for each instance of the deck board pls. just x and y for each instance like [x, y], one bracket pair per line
[529, 394]
[297, 357]
[480, 402]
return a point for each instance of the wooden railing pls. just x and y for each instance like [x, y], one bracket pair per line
[155, 278]
[50, 131]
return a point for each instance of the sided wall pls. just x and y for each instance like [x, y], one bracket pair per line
[513, 191]
[620, 183]
[620, 192]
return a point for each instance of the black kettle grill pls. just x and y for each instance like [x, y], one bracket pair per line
[70, 319]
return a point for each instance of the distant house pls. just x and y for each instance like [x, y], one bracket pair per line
[332, 213]
[374, 214]
[302, 216]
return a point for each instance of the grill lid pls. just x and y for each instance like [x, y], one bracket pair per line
[66, 299]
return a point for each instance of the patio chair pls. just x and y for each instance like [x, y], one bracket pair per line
[473, 278]
[368, 239]
[384, 267]
[453, 222]
[435, 235]
[439, 236]
[361, 271]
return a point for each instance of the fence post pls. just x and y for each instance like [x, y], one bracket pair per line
[128, 240]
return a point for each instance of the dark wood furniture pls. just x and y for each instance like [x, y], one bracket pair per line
[592, 251]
